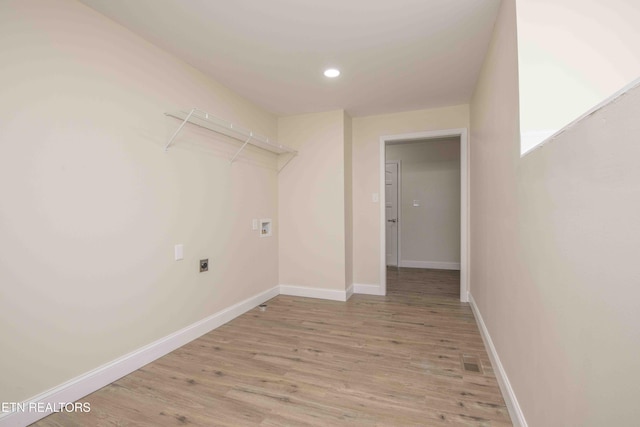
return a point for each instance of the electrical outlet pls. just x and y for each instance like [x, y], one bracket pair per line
[204, 265]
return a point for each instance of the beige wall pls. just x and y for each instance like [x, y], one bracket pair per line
[311, 201]
[554, 239]
[92, 206]
[366, 176]
[430, 232]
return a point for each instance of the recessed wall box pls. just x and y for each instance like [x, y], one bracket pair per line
[265, 227]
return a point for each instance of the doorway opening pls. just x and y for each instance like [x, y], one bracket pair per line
[424, 226]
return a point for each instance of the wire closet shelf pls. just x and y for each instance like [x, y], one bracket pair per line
[247, 136]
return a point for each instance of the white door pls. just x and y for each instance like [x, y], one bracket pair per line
[391, 210]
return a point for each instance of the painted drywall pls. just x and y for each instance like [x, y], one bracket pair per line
[572, 55]
[430, 174]
[92, 206]
[554, 239]
[366, 176]
[311, 202]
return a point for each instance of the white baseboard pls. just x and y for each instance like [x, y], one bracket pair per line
[359, 288]
[438, 265]
[349, 291]
[321, 293]
[517, 417]
[77, 388]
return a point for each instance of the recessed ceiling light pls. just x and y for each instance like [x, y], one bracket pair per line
[331, 73]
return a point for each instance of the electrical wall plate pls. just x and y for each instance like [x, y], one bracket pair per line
[204, 265]
[178, 252]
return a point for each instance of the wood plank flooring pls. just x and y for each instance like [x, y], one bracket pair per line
[372, 361]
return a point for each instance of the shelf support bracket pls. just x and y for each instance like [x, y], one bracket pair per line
[242, 148]
[287, 162]
[166, 147]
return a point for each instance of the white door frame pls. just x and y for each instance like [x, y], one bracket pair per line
[464, 200]
[398, 224]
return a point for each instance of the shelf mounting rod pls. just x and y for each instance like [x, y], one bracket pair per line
[166, 147]
[243, 145]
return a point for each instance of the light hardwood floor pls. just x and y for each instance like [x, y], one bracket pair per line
[372, 361]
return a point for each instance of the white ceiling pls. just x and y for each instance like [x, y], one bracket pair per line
[394, 55]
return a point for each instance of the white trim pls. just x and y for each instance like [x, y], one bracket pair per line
[349, 292]
[399, 211]
[382, 219]
[464, 200]
[87, 383]
[439, 265]
[517, 417]
[307, 292]
[398, 164]
[365, 289]
[465, 193]
[534, 138]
